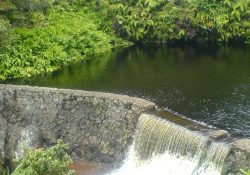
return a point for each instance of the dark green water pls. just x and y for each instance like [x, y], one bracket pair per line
[209, 84]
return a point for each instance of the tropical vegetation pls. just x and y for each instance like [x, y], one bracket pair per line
[44, 37]
[201, 20]
[53, 161]
[40, 36]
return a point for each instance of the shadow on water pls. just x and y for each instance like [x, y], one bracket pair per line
[210, 84]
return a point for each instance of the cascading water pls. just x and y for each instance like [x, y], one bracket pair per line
[164, 148]
[214, 162]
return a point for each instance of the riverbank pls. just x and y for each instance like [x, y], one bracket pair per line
[47, 41]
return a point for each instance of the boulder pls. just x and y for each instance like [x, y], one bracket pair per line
[218, 134]
[31, 137]
[239, 157]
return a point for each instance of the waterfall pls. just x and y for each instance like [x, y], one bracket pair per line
[214, 161]
[164, 148]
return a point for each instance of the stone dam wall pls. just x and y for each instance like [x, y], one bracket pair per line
[99, 127]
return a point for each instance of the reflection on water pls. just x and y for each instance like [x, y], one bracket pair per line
[211, 85]
[84, 168]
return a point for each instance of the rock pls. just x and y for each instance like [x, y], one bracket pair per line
[218, 134]
[30, 138]
[243, 145]
[239, 157]
[3, 135]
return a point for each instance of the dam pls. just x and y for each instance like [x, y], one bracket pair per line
[123, 133]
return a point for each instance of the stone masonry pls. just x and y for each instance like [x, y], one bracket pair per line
[98, 126]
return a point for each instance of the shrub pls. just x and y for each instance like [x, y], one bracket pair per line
[53, 161]
[62, 36]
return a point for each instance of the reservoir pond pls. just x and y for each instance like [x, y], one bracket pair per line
[206, 84]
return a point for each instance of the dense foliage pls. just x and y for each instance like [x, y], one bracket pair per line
[39, 36]
[5, 31]
[44, 40]
[203, 20]
[53, 161]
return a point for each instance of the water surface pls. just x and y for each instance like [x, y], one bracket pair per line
[207, 84]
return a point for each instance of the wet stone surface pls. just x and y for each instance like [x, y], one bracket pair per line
[219, 134]
[239, 157]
